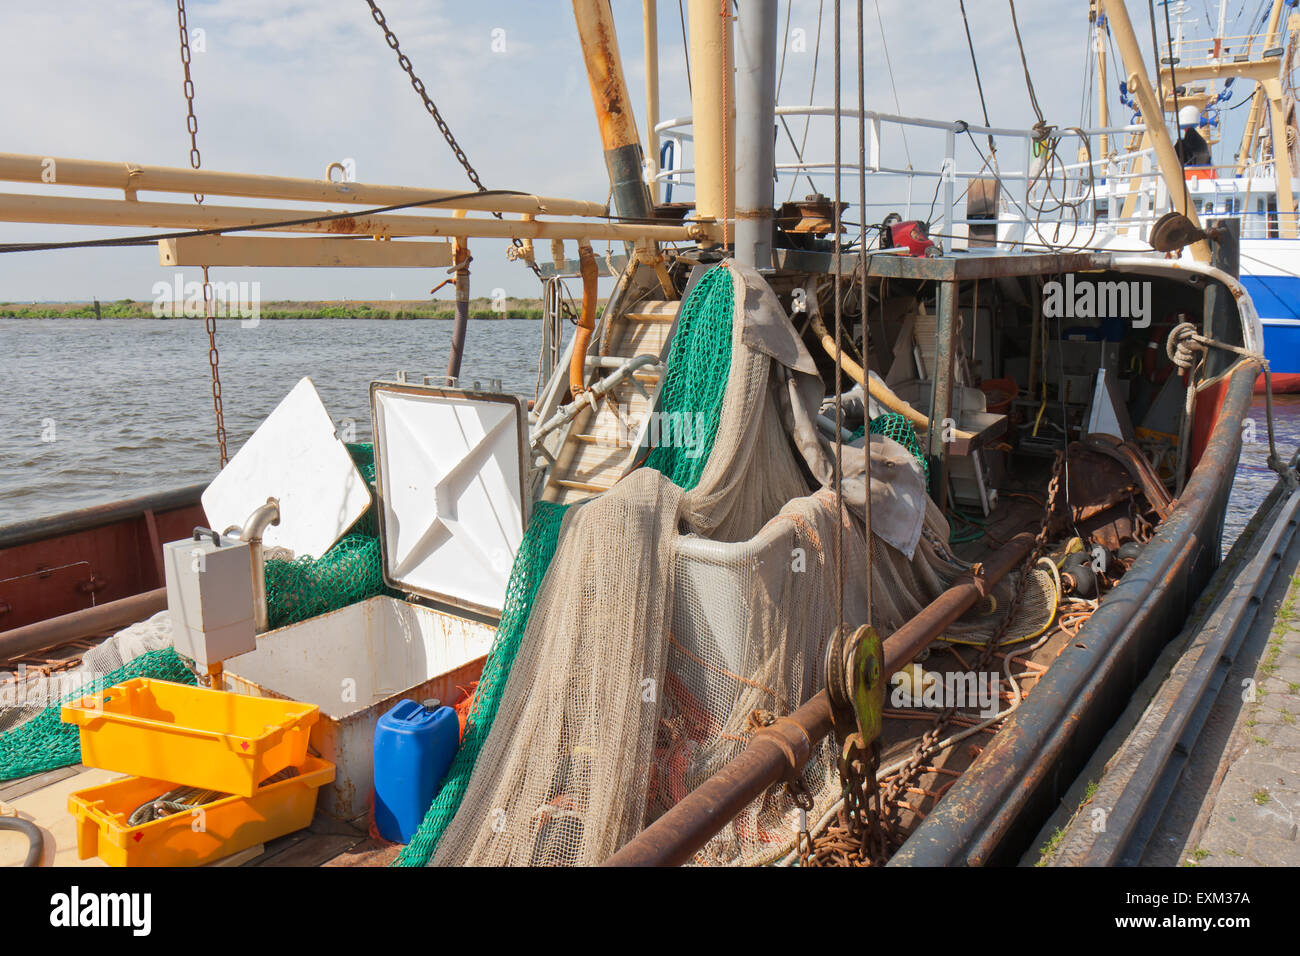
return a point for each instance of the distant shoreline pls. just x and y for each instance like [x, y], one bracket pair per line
[379, 309]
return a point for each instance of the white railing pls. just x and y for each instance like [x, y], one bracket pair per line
[1109, 195]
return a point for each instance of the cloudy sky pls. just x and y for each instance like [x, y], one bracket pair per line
[288, 86]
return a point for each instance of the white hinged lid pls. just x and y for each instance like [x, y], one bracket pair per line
[449, 471]
[296, 457]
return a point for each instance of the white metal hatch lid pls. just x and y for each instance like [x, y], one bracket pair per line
[295, 456]
[449, 470]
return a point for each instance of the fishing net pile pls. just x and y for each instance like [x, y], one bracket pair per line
[698, 591]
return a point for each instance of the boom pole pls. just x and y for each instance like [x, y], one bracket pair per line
[1153, 116]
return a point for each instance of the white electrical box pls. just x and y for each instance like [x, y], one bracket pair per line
[210, 596]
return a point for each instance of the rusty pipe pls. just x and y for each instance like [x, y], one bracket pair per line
[52, 632]
[586, 321]
[460, 261]
[876, 387]
[779, 751]
[613, 105]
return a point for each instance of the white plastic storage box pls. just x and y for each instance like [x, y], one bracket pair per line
[356, 664]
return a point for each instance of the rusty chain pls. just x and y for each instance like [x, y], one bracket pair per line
[418, 85]
[868, 824]
[196, 160]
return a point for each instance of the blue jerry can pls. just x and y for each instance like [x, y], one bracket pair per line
[414, 747]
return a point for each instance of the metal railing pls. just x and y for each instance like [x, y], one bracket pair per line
[1119, 194]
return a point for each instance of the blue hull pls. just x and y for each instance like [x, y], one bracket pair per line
[1277, 300]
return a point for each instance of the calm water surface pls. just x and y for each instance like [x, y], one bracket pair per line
[128, 403]
[92, 412]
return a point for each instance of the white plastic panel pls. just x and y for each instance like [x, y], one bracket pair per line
[451, 491]
[293, 456]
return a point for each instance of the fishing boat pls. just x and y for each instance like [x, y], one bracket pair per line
[817, 546]
[1110, 193]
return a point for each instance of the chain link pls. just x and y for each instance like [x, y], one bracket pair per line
[191, 121]
[418, 85]
[196, 160]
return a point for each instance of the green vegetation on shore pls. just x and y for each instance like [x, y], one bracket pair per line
[481, 308]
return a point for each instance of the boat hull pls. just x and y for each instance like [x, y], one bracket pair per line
[1270, 272]
[87, 558]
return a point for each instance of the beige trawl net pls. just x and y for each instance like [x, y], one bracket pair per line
[667, 618]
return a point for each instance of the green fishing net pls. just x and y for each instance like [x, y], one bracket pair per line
[695, 380]
[46, 743]
[896, 426]
[699, 361]
[531, 564]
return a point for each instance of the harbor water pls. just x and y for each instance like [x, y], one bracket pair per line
[97, 411]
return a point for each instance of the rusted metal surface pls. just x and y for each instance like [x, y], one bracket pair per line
[997, 806]
[778, 751]
[982, 198]
[1130, 456]
[71, 562]
[101, 619]
[945, 349]
[1097, 483]
[614, 114]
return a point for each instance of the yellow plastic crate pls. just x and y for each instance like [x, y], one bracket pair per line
[191, 838]
[193, 735]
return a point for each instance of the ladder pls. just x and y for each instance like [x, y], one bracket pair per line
[605, 423]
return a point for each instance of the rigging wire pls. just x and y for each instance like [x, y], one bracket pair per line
[1173, 83]
[1155, 55]
[979, 85]
[837, 381]
[1029, 81]
[686, 46]
[884, 44]
[807, 121]
[860, 274]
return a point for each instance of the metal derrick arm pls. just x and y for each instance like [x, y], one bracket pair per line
[1268, 95]
[1153, 112]
[590, 220]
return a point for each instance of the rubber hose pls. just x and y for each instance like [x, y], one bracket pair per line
[34, 836]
